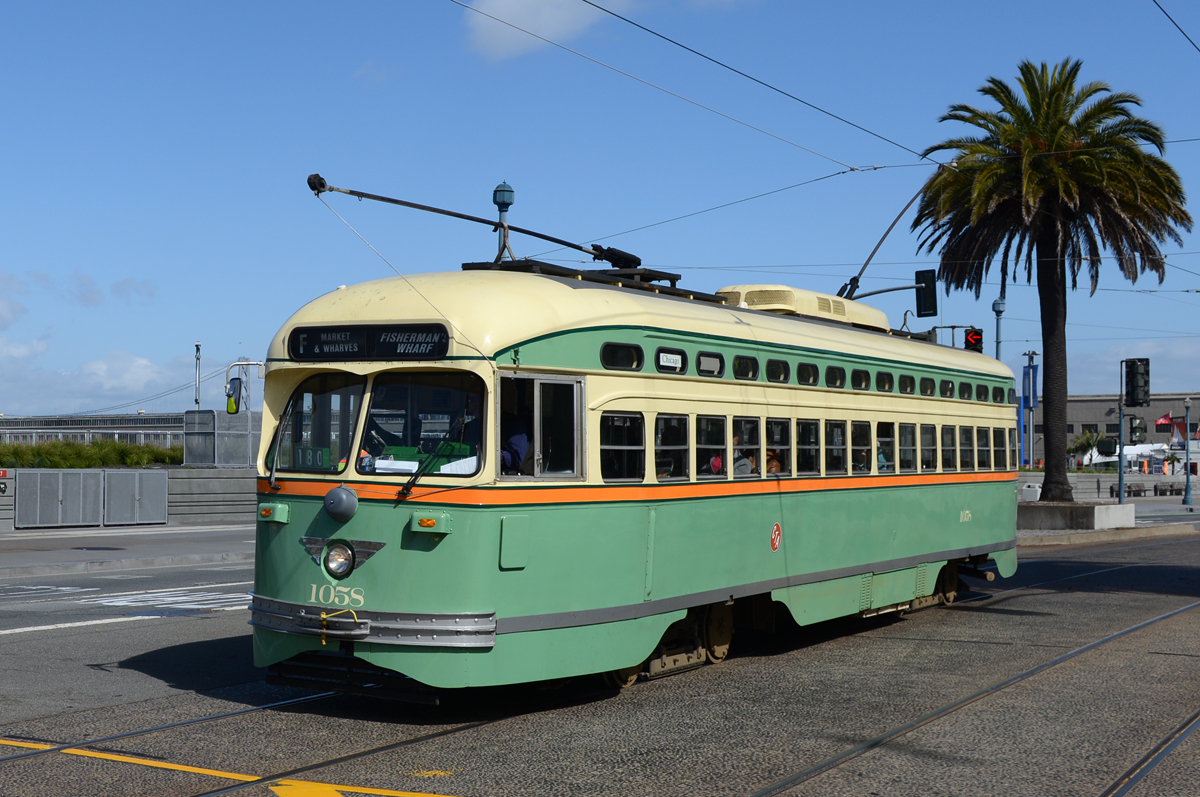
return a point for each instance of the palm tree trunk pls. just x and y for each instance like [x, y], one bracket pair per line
[1052, 294]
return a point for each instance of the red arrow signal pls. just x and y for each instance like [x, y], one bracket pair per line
[974, 339]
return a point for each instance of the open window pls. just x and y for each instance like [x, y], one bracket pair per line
[540, 427]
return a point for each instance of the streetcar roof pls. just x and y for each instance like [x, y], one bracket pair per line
[494, 311]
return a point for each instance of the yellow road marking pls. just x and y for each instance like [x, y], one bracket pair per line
[283, 788]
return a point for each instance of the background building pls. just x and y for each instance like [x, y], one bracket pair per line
[1100, 414]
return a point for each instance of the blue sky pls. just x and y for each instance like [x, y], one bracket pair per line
[155, 158]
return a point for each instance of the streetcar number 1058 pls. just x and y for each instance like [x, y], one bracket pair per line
[337, 596]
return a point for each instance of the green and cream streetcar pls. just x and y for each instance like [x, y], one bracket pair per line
[519, 471]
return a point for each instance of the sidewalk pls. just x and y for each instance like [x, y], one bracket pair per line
[44, 552]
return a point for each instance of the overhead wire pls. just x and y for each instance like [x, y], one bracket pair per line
[156, 396]
[656, 86]
[762, 83]
[1168, 16]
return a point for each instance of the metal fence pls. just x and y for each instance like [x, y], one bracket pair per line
[219, 439]
[51, 498]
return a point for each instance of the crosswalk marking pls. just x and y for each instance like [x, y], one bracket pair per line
[30, 591]
[177, 599]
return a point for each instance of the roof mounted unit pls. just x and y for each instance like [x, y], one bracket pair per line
[786, 300]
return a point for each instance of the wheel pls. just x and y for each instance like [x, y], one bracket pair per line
[622, 679]
[947, 583]
[718, 631]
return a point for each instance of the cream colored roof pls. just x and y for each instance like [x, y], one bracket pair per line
[493, 310]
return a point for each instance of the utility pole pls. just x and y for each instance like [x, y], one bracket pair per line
[1028, 402]
[197, 375]
[998, 309]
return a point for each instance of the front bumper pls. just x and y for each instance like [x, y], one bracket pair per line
[384, 628]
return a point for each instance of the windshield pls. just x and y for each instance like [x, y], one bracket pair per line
[319, 424]
[416, 417]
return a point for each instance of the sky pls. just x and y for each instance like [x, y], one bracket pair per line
[155, 156]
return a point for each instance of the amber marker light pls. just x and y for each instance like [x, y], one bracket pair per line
[426, 522]
[266, 512]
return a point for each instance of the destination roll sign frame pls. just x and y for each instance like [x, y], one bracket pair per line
[369, 342]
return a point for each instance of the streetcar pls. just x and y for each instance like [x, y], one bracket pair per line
[522, 471]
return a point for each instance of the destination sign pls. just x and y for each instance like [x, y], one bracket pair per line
[376, 342]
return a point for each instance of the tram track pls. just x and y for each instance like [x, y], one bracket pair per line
[1152, 759]
[391, 746]
[169, 726]
[795, 779]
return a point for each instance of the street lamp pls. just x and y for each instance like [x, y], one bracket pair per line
[1187, 442]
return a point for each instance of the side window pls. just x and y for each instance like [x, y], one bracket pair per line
[747, 458]
[981, 392]
[946, 388]
[966, 448]
[710, 447]
[671, 361]
[997, 395]
[621, 357]
[807, 374]
[779, 447]
[745, 367]
[908, 447]
[808, 447]
[983, 454]
[949, 450]
[885, 446]
[835, 447]
[835, 376]
[1012, 396]
[622, 447]
[778, 371]
[929, 447]
[884, 382]
[927, 386]
[710, 364]
[1012, 449]
[964, 391]
[671, 448]
[999, 449]
[908, 384]
[860, 446]
[860, 380]
[550, 408]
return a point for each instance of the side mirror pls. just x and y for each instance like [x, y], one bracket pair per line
[234, 394]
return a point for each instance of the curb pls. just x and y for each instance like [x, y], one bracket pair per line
[104, 565]
[1107, 535]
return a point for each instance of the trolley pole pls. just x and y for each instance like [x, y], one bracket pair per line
[503, 197]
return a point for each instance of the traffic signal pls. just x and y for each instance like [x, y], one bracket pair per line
[973, 340]
[1137, 382]
[1137, 430]
[1107, 446]
[926, 293]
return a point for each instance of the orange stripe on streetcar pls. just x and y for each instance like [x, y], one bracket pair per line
[524, 493]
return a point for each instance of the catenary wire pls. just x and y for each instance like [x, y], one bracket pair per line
[762, 83]
[156, 396]
[1168, 16]
[654, 86]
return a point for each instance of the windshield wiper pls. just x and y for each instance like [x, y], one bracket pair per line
[287, 416]
[457, 428]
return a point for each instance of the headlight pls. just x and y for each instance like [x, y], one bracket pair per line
[339, 560]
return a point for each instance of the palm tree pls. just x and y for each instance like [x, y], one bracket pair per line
[1084, 444]
[1057, 175]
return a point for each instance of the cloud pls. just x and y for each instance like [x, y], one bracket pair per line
[558, 20]
[10, 311]
[22, 351]
[129, 289]
[84, 290]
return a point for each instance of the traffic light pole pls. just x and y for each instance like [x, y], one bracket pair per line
[1121, 435]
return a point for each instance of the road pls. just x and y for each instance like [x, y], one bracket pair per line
[779, 706]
